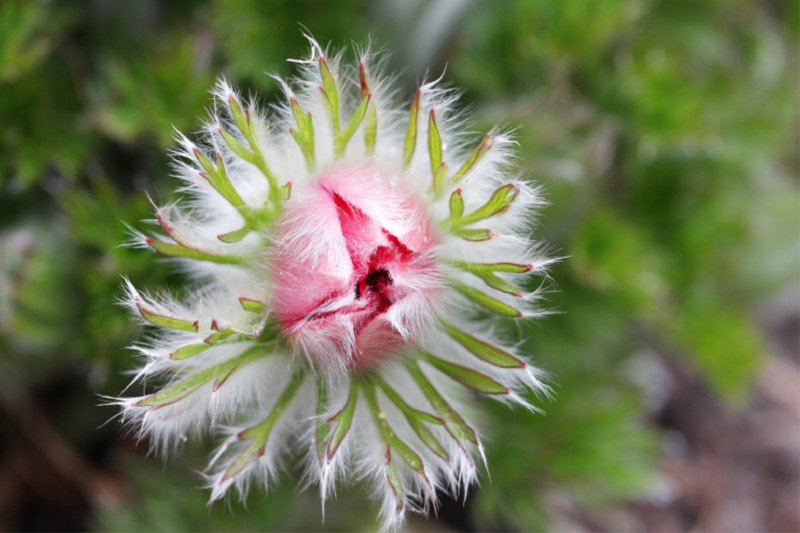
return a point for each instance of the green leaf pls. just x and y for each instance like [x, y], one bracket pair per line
[323, 427]
[181, 390]
[330, 94]
[500, 201]
[411, 134]
[252, 306]
[237, 147]
[355, 121]
[466, 376]
[481, 349]
[474, 158]
[219, 336]
[486, 271]
[416, 419]
[439, 179]
[389, 436]
[434, 143]
[190, 350]
[455, 423]
[218, 178]
[178, 250]
[371, 120]
[254, 157]
[480, 298]
[167, 321]
[456, 204]
[285, 191]
[394, 479]
[304, 135]
[474, 235]
[235, 236]
[242, 122]
[261, 432]
[343, 419]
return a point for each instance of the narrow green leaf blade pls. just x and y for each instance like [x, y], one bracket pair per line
[236, 235]
[456, 425]
[456, 204]
[474, 235]
[182, 389]
[252, 306]
[371, 120]
[255, 447]
[466, 376]
[167, 321]
[261, 432]
[219, 336]
[500, 201]
[439, 179]
[411, 134]
[482, 299]
[239, 117]
[474, 158]
[486, 271]
[434, 143]
[415, 419]
[331, 93]
[343, 419]
[237, 147]
[177, 250]
[352, 126]
[481, 349]
[190, 350]
[323, 426]
[394, 480]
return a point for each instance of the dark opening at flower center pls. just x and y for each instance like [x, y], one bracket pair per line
[375, 281]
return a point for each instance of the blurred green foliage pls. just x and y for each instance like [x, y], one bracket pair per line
[663, 132]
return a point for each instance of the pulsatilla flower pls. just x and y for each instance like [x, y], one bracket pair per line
[351, 259]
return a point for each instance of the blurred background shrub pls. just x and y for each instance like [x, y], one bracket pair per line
[664, 134]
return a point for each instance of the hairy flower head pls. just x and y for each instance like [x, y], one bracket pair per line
[351, 257]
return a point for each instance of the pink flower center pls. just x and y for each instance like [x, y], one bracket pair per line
[354, 270]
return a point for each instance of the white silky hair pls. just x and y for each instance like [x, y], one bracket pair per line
[212, 302]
